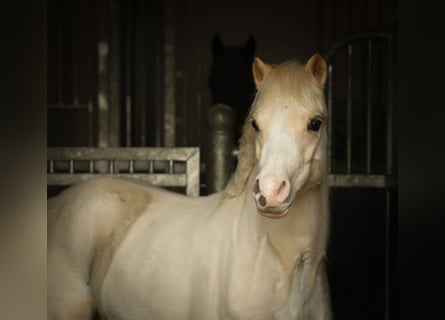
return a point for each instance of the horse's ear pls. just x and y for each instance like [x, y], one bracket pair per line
[316, 67]
[260, 70]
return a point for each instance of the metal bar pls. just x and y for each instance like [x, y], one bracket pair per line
[151, 166]
[71, 166]
[389, 108]
[103, 48]
[349, 112]
[140, 84]
[193, 171]
[114, 73]
[368, 108]
[169, 75]
[111, 168]
[128, 120]
[102, 94]
[51, 166]
[387, 250]
[75, 66]
[91, 169]
[117, 153]
[356, 180]
[159, 89]
[170, 166]
[128, 73]
[60, 51]
[68, 106]
[389, 169]
[131, 166]
[160, 179]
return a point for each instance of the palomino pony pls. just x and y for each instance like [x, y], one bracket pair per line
[253, 251]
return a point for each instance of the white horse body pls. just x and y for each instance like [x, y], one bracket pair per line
[139, 252]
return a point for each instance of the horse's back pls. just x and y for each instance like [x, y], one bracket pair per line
[81, 222]
[93, 208]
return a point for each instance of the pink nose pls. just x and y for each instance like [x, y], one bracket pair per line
[271, 192]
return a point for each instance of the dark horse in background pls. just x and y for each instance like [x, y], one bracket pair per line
[231, 81]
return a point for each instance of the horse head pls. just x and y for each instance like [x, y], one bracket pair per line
[284, 136]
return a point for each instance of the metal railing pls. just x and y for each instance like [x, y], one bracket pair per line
[166, 167]
[362, 84]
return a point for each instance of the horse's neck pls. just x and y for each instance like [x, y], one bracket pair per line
[302, 231]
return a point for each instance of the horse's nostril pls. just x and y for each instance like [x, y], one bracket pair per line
[282, 186]
[283, 191]
[257, 186]
[262, 201]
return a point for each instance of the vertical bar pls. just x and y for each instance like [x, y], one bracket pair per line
[389, 166]
[169, 76]
[150, 166]
[75, 66]
[131, 166]
[330, 81]
[51, 166]
[192, 172]
[60, 51]
[159, 76]
[387, 250]
[170, 166]
[128, 120]
[71, 166]
[103, 72]
[368, 108]
[349, 113]
[140, 84]
[114, 73]
[92, 99]
[389, 108]
[198, 112]
[90, 124]
[128, 73]
[103, 94]
[111, 163]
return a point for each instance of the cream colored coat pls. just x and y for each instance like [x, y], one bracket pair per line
[135, 251]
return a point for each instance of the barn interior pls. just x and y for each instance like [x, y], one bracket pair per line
[145, 73]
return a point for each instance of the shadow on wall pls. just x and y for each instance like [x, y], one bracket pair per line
[231, 80]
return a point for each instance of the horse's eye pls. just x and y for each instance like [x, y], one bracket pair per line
[255, 126]
[314, 125]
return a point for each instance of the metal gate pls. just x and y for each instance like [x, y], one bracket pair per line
[360, 100]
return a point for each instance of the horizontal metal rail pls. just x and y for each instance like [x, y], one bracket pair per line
[166, 167]
[360, 181]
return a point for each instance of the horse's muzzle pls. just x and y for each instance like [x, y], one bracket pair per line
[272, 204]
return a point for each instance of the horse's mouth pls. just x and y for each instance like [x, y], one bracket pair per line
[273, 212]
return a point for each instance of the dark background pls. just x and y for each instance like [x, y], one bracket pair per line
[420, 83]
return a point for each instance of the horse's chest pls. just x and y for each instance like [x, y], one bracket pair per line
[204, 283]
[262, 292]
